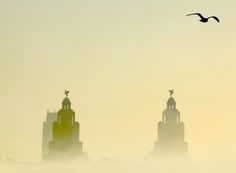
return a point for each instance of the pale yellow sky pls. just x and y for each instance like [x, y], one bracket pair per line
[118, 59]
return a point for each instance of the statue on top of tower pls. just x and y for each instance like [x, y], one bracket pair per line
[66, 92]
[171, 92]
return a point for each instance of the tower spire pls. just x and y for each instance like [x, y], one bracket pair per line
[66, 104]
[171, 104]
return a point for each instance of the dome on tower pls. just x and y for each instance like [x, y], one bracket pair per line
[66, 104]
[171, 101]
[171, 104]
[66, 101]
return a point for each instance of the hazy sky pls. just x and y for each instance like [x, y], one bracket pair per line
[118, 59]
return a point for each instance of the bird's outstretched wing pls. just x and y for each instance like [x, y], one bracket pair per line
[199, 14]
[214, 17]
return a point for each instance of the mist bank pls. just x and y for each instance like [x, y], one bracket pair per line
[105, 165]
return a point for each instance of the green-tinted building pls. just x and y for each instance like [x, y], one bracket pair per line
[65, 133]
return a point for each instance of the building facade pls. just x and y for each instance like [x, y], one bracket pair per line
[170, 132]
[47, 132]
[65, 141]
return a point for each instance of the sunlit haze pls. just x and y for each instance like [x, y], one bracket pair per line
[118, 59]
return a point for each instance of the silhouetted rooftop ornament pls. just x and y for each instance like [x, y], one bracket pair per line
[66, 93]
[171, 92]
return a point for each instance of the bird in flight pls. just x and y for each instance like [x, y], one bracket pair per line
[203, 19]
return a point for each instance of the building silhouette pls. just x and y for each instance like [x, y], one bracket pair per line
[47, 132]
[170, 132]
[65, 143]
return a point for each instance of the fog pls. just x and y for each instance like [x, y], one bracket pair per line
[118, 59]
[105, 165]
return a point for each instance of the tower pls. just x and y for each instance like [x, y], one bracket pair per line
[65, 134]
[47, 132]
[170, 131]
